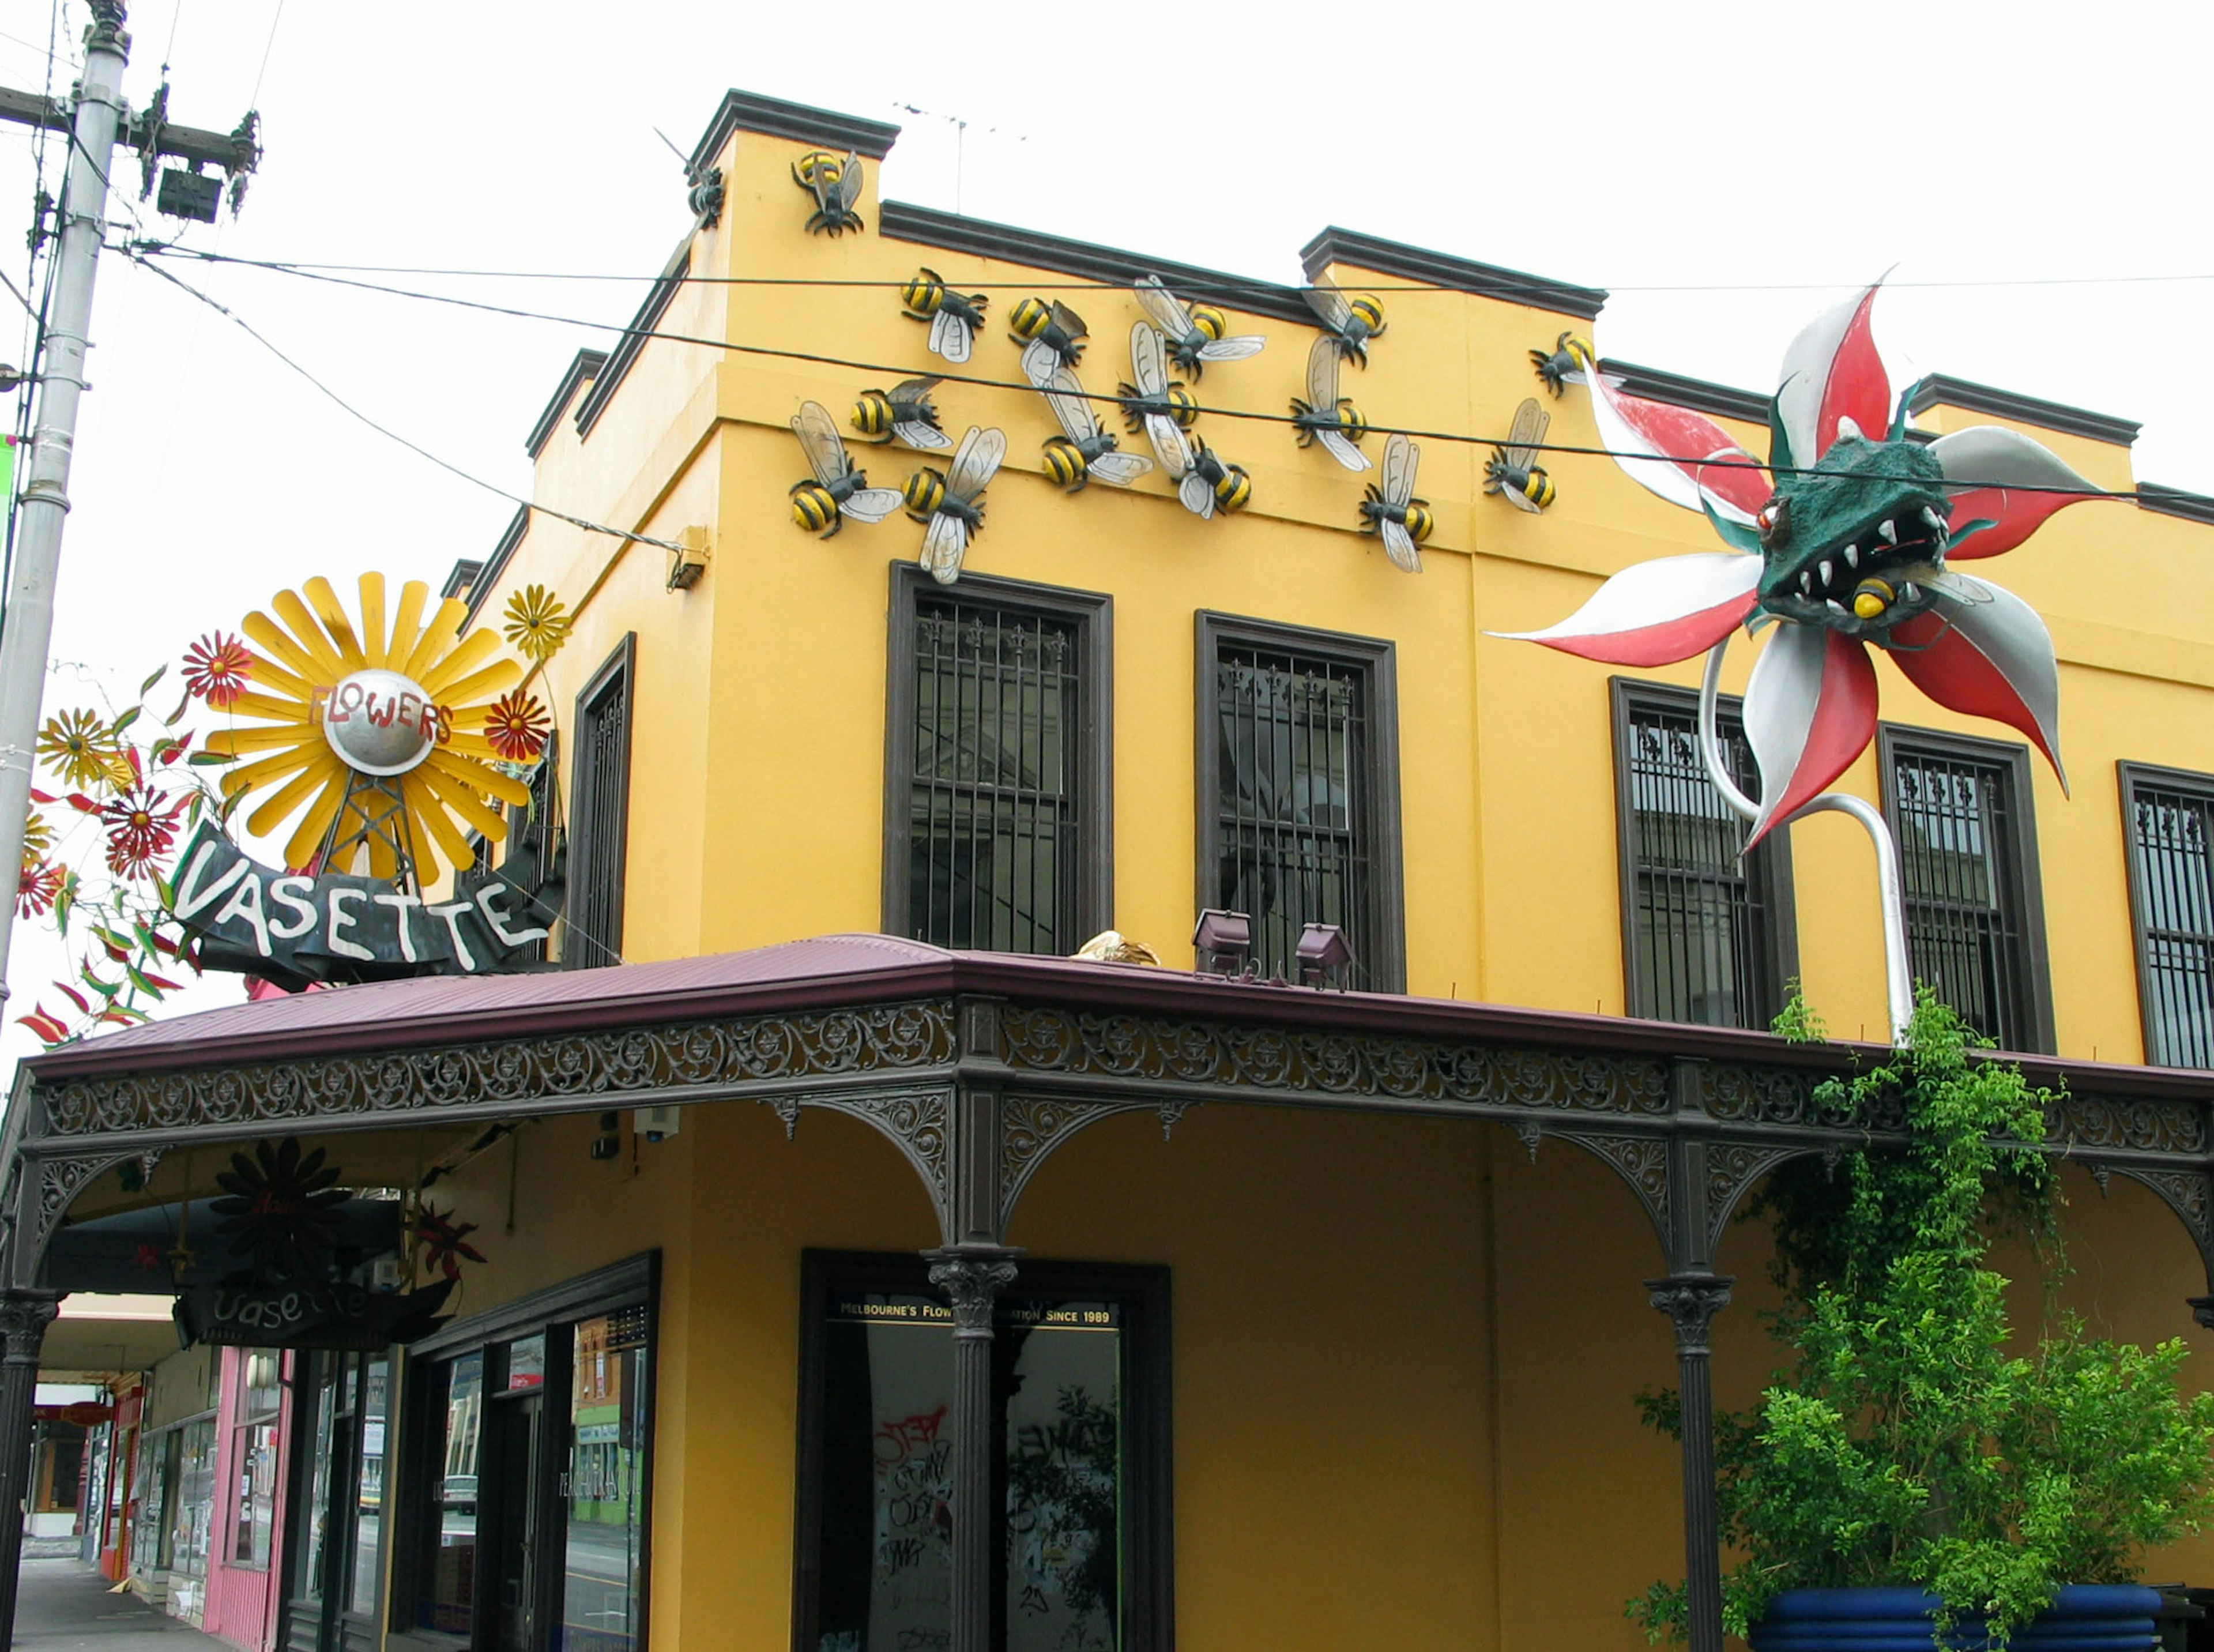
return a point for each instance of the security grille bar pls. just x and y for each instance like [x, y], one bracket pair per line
[2176, 901]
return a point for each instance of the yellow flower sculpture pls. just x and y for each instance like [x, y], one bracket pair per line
[371, 733]
[537, 623]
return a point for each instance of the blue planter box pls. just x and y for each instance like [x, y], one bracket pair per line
[2086, 1617]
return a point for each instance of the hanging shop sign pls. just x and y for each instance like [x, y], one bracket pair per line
[335, 927]
[339, 1317]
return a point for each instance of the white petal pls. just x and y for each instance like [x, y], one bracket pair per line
[1989, 455]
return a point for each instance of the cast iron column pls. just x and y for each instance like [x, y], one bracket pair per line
[972, 1276]
[1693, 1300]
[24, 1316]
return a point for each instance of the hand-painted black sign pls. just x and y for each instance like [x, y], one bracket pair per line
[259, 921]
[345, 1318]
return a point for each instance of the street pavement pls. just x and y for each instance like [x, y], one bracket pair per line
[64, 1605]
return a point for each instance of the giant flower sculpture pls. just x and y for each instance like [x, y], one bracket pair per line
[1843, 541]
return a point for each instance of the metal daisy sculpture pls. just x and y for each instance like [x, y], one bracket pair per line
[1843, 542]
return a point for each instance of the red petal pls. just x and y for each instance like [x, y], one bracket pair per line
[1664, 644]
[1952, 671]
[1693, 435]
[2014, 516]
[1857, 389]
[1845, 723]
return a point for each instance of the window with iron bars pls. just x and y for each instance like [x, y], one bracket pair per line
[997, 827]
[1298, 794]
[599, 814]
[1708, 934]
[2168, 816]
[1967, 846]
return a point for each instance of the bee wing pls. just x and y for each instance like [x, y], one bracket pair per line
[1400, 457]
[950, 337]
[818, 434]
[1171, 317]
[1149, 362]
[1322, 375]
[1530, 421]
[1041, 361]
[1399, 544]
[1064, 394]
[1169, 443]
[913, 389]
[1197, 494]
[924, 438]
[1069, 322]
[847, 189]
[871, 503]
[944, 544]
[1327, 302]
[975, 465]
[1515, 497]
[1234, 349]
[1341, 449]
[1120, 468]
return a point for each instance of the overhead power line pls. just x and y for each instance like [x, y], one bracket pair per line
[147, 254]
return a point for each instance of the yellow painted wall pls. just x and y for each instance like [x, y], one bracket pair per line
[1421, 1434]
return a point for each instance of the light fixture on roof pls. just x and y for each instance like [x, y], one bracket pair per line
[1324, 952]
[1224, 941]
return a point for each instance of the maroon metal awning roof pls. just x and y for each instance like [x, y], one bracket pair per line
[835, 971]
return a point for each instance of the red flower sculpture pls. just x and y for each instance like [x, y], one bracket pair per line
[35, 892]
[142, 824]
[516, 725]
[217, 668]
[445, 1241]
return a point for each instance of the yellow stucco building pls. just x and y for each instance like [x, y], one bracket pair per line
[1292, 1354]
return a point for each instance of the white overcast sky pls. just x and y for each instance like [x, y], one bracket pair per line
[1723, 168]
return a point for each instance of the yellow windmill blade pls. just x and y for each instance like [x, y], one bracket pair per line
[463, 796]
[336, 625]
[270, 708]
[465, 657]
[300, 621]
[496, 679]
[441, 633]
[423, 804]
[265, 673]
[280, 805]
[372, 618]
[407, 623]
[267, 771]
[276, 641]
[308, 836]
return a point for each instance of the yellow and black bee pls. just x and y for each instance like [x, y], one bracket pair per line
[1350, 322]
[952, 503]
[1212, 484]
[1510, 472]
[1194, 335]
[835, 184]
[903, 413]
[1085, 449]
[1157, 404]
[1564, 363]
[1047, 327]
[838, 490]
[1325, 416]
[954, 317]
[1392, 511]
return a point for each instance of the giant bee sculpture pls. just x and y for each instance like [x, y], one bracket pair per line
[1510, 471]
[1046, 329]
[904, 414]
[835, 184]
[1350, 322]
[1563, 364]
[1157, 404]
[1085, 449]
[1393, 512]
[1325, 416]
[838, 490]
[1212, 483]
[954, 317]
[952, 503]
[1194, 335]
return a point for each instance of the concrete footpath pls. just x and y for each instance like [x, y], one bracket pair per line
[64, 1605]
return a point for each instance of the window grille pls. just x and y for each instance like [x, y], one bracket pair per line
[1300, 796]
[998, 760]
[1967, 858]
[599, 816]
[1707, 930]
[2171, 882]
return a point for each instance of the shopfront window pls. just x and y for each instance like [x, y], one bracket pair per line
[448, 1602]
[369, 1495]
[253, 1459]
[192, 1517]
[1079, 1370]
[605, 1584]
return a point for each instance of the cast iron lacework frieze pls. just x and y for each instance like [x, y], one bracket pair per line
[2176, 1127]
[706, 1055]
[2190, 1194]
[1642, 1161]
[1732, 1168]
[916, 1123]
[1365, 1066]
[1030, 1128]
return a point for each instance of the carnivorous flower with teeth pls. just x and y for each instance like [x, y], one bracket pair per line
[1845, 540]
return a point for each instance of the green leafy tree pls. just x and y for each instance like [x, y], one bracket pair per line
[1908, 1440]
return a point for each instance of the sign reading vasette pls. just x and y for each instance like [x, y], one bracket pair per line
[378, 721]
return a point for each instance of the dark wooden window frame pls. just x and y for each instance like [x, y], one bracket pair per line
[1149, 1604]
[1772, 860]
[1093, 612]
[301, 1626]
[1379, 660]
[415, 1461]
[2028, 886]
[617, 672]
[2132, 775]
